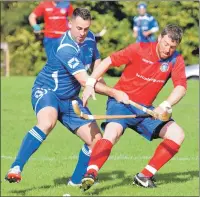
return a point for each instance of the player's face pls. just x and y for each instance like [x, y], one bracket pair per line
[166, 47]
[142, 11]
[79, 29]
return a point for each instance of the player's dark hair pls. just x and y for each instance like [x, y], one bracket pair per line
[174, 32]
[83, 13]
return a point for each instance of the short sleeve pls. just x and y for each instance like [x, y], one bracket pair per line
[70, 10]
[96, 54]
[68, 56]
[135, 24]
[39, 10]
[154, 23]
[178, 73]
[123, 56]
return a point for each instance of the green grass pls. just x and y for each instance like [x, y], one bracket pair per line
[47, 171]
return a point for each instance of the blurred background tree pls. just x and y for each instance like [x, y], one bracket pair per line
[27, 55]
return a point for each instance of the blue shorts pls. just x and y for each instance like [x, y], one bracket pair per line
[42, 98]
[147, 127]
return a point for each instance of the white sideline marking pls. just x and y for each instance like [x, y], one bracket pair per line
[119, 157]
[66, 195]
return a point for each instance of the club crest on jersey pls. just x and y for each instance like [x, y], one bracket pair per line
[73, 62]
[62, 11]
[40, 92]
[164, 67]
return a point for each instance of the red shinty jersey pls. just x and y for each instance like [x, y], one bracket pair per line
[54, 17]
[144, 74]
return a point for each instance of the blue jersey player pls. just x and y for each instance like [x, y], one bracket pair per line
[144, 25]
[57, 84]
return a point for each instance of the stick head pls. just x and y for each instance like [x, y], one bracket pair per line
[76, 108]
[165, 116]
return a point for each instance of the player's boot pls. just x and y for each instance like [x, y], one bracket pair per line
[14, 175]
[87, 181]
[143, 181]
[70, 183]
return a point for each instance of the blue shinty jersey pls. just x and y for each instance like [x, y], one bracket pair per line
[145, 23]
[66, 59]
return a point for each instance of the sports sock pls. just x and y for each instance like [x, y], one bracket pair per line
[164, 152]
[100, 154]
[81, 166]
[30, 144]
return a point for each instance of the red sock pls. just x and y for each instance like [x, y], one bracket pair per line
[100, 154]
[164, 152]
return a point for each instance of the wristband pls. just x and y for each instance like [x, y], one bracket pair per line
[165, 105]
[36, 27]
[91, 82]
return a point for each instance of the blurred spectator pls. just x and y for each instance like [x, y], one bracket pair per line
[55, 14]
[144, 25]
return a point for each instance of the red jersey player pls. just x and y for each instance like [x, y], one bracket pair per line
[148, 66]
[55, 15]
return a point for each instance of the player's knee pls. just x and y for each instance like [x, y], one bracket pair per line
[112, 132]
[47, 118]
[46, 126]
[111, 136]
[181, 136]
[91, 141]
[98, 136]
[177, 136]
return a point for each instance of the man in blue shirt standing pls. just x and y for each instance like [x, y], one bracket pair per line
[57, 84]
[144, 25]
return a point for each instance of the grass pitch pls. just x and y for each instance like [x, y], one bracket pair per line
[48, 170]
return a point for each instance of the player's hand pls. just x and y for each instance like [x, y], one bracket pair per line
[36, 28]
[162, 114]
[159, 111]
[87, 93]
[121, 96]
[145, 33]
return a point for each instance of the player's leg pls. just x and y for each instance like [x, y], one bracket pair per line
[46, 120]
[90, 134]
[101, 152]
[102, 149]
[173, 137]
[87, 130]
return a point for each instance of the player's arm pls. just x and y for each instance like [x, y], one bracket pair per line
[135, 32]
[82, 78]
[180, 87]
[92, 84]
[98, 85]
[176, 95]
[38, 11]
[96, 60]
[96, 64]
[135, 29]
[153, 27]
[101, 68]
[32, 19]
[116, 59]
[179, 81]
[155, 24]
[69, 58]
